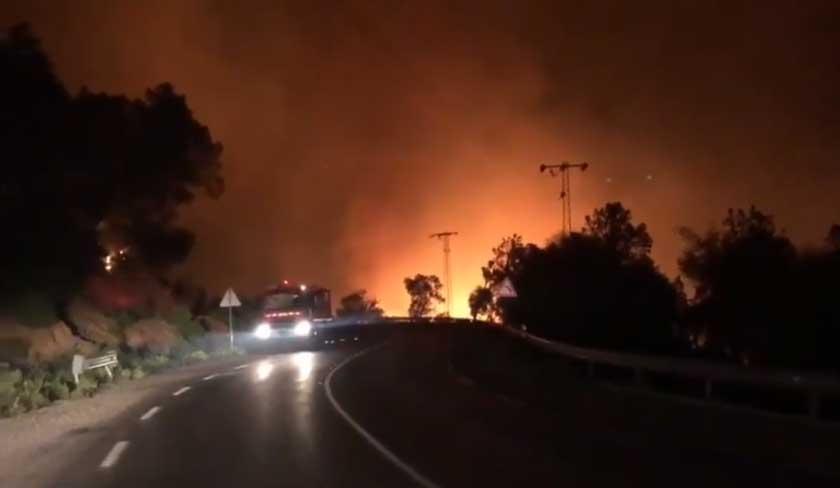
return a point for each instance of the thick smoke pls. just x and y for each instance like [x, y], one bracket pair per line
[354, 129]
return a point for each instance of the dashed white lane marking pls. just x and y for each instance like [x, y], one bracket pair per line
[151, 413]
[182, 390]
[373, 441]
[210, 377]
[241, 366]
[114, 454]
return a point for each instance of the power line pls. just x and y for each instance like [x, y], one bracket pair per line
[565, 191]
[447, 277]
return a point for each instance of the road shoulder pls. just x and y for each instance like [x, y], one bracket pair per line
[497, 362]
[461, 433]
[36, 444]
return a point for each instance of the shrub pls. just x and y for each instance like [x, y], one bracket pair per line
[15, 407]
[9, 377]
[227, 351]
[9, 394]
[181, 351]
[92, 324]
[31, 396]
[151, 335]
[181, 318]
[124, 318]
[101, 376]
[196, 356]
[56, 388]
[137, 373]
[86, 386]
[155, 362]
[129, 359]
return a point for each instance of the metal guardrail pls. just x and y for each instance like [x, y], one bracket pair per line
[425, 320]
[82, 364]
[814, 386]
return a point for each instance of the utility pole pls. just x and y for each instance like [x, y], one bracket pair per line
[566, 189]
[447, 278]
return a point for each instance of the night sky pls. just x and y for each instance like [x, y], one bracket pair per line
[353, 130]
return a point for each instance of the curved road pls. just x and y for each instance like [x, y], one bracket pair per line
[265, 423]
[401, 417]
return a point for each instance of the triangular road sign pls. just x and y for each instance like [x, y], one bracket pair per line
[505, 289]
[230, 299]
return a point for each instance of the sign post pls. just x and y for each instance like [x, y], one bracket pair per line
[229, 301]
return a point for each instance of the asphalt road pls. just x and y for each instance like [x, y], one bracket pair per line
[265, 423]
[386, 411]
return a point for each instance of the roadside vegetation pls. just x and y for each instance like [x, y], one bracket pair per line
[425, 293]
[24, 388]
[153, 332]
[90, 196]
[745, 293]
[358, 306]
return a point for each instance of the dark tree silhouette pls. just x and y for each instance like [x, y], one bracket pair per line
[742, 277]
[49, 244]
[507, 258]
[759, 300]
[424, 291]
[358, 305]
[92, 173]
[507, 261]
[613, 225]
[481, 303]
[598, 288]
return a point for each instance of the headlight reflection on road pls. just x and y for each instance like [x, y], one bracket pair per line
[304, 362]
[264, 369]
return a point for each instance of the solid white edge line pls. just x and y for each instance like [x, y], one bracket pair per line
[373, 441]
[152, 411]
[182, 390]
[114, 454]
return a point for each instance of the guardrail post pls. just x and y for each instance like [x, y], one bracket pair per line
[814, 404]
[708, 385]
[77, 367]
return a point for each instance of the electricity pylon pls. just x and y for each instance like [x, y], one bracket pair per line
[565, 191]
[447, 277]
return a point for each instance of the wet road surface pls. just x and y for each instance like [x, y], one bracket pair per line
[401, 417]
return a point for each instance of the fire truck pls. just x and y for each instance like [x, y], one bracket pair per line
[292, 311]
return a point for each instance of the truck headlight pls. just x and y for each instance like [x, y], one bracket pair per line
[263, 331]
[302, 328]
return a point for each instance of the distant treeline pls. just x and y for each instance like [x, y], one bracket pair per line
[756, 298]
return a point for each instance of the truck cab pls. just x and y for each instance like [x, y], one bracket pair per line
[292, 312]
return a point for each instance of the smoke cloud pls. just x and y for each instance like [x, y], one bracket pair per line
[353, 130]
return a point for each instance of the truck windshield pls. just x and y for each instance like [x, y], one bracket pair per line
[280, 301]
